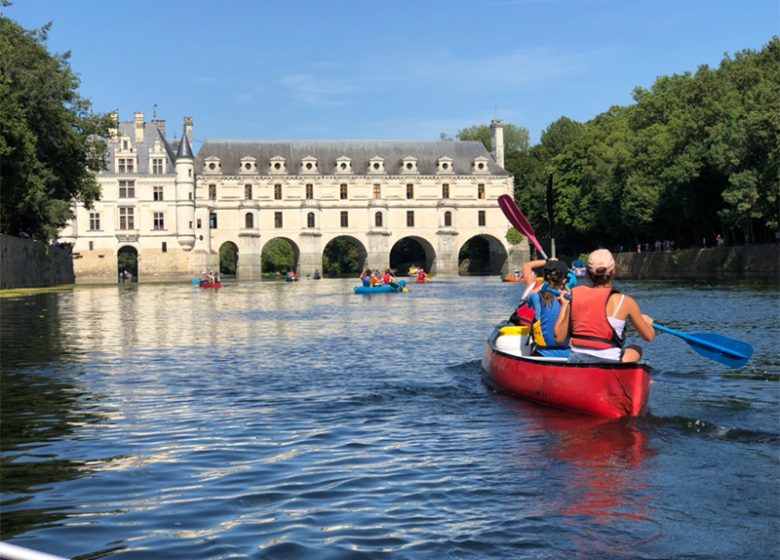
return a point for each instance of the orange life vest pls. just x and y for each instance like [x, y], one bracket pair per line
[589, 325]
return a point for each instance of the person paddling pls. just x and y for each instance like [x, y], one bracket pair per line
[595, 318]
[545, 306]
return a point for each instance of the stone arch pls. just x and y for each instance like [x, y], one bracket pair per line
[344, 255]
[413, 250]
[482, 254]
[273, 263]
[127, 264]
[228, 258]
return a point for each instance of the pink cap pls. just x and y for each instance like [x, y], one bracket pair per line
[600, 261]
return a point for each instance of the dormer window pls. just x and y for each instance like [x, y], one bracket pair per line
[309, 165]
[480, 165]
[212, 166]
[376, 166]
[277, 166]
[343, 165]
[248, 166]
[444, 165]
[409, 165]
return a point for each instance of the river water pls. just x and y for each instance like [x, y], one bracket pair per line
[276, 420]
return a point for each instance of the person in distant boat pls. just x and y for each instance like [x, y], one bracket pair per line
[595, 317]
[421, 274]
[365, 278]
[545, 306]
[388, 278]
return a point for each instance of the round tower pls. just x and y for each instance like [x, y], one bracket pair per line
[185, 189]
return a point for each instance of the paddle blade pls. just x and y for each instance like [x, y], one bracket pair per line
[728, 351]
[515, 216]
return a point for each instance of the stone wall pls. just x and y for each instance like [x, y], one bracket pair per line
[757, 260]
[25, 263]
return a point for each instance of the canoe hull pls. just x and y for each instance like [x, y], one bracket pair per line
[605, 390]
[380, 289]
[204, 284]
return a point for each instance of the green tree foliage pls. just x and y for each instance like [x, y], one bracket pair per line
[513, 236]
[696, 155]
[228, 258]
[342, 257]
[516, 138]
[278, 256]
[48, 136]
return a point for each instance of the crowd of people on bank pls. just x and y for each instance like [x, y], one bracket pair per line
[586, 324]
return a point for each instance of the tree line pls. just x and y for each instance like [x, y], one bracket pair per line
[695, 156]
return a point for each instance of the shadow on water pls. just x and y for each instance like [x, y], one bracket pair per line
[37, 408]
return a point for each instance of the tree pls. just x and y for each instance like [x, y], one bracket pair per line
[516, 138]
[278, 256]
[49, 140]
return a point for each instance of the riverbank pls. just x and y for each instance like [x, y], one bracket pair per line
[25, 263]
[745, 260]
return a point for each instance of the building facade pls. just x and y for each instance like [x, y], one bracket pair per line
[175, 210]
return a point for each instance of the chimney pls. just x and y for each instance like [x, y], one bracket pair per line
[113, 130]
[188, 128]
[139, 128]
[497, 127]
[160, 124]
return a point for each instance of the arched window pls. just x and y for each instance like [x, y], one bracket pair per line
[310, 219]
[448, 219]
[378, 219]
[249, 220]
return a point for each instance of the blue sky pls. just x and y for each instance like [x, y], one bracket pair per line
[404, 70]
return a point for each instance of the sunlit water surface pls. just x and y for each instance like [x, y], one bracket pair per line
[276, 420]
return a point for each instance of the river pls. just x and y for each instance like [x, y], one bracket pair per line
[299, 420]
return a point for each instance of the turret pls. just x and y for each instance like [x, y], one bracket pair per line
[185, 190]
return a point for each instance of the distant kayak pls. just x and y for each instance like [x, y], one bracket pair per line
[510, 278]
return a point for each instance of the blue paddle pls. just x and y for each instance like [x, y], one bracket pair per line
[722, 349]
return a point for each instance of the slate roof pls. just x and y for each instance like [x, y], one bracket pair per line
[141, 150]
[327, 152]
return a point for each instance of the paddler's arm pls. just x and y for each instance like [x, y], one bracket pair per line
[529, 277]
[562, 324]
[642, 323]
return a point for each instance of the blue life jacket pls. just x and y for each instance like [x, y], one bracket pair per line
[547, 315]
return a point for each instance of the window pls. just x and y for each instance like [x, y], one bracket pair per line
[310, 219]
[157, 193]
[126, 189]
[445, 191]
[91, 245]
[448, 219]
[94, 221]
[343, 193]
[409, 191]
[409, 218]
[249, 220]
[157, 166]
[377, 192]
[159, 220]
[213, 220]
[481, 190]
[277, 192]
[126, 217]
[378, 219]
[344, 218]
[199, 223]
[309, 191]
[212, 192]
[247, 192]
[125, 165]
[481, 218]
[278, 220]
[164, 246]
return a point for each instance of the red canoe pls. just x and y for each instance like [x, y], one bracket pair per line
[205, 284]
[605, 390]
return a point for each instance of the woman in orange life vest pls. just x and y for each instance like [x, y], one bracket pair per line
[595, 318]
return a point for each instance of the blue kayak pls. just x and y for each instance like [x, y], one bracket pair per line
[381, 289]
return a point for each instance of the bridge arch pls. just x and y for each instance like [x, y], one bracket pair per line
[413, 250]
[344, 255]
[482, 255]
[279, 255]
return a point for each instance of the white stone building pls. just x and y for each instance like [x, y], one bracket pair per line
[175, 210]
